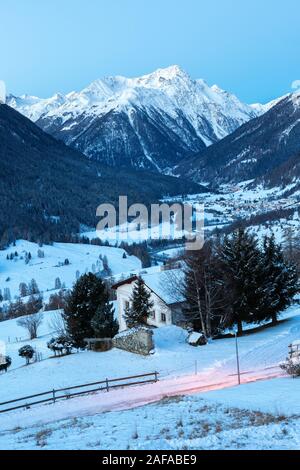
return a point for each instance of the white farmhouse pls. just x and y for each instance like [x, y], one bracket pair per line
[164, 287]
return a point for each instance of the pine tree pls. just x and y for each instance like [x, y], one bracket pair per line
[23, 288]
[41, 254]
[280, 281]
[88, 294]
[28, 257]
[33, 287]
[103, 323]
[57, 283]
[141, 305]
[106, 269]
[7, 294]
[243, 269]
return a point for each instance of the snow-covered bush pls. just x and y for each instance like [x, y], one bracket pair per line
[292, 366]
[5, 363]
[60, 345]
[27, 352]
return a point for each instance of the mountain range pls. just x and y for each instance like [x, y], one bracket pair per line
[259, 149]
[152, 122]
[49, 190]
[168, 123]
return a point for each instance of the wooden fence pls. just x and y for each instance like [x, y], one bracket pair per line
[77, 390]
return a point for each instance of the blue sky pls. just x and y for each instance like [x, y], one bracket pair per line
[250, 48]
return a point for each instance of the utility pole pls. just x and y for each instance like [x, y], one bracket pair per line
[237, 358]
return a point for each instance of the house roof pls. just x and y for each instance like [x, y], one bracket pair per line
[165, 284]
[129, 280]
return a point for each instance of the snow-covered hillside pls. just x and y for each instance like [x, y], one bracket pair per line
[214, 421]
[255, 415]
[265, 149]
[151, 121]
[80, 259]
[173, 358]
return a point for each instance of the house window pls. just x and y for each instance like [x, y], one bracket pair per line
[126, 305]
[163, 318]
[152, 315]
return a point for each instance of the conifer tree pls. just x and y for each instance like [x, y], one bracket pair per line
[7, 294]
[103, 323]
[141, 305]
[280, 281]
[23, 288]
[57, 283]
[88, 294]
[243, 269]
[33, 287]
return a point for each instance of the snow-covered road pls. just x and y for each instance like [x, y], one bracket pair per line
[129, 398]
[174, 359]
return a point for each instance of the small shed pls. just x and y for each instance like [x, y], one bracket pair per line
[197, 339]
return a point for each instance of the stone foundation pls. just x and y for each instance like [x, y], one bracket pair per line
[137, 340]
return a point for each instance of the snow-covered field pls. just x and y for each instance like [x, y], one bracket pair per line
[233, 418]
[173, 357]
[217, 420]
[263, 414]
[82, 258]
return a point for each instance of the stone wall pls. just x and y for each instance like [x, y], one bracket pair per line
[137, 340]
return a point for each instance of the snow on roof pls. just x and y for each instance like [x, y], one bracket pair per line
[167, 285]
[194, 337]
[296, 343]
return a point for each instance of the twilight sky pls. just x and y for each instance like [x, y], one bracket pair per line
[249, 48]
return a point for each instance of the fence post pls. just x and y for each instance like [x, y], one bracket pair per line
[156, 377]
[107, 386]
[196, 368]
[53, 393]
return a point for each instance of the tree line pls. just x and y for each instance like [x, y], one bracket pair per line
[234, 280]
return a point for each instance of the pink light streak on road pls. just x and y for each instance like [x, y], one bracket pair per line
[133, 397]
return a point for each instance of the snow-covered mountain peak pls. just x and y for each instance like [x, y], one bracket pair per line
[263, 108]
[161, 117]
[161, 76]
[295, 98]
[166, 88]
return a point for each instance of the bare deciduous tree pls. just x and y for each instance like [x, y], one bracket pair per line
[31, 323]
[57, 323]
